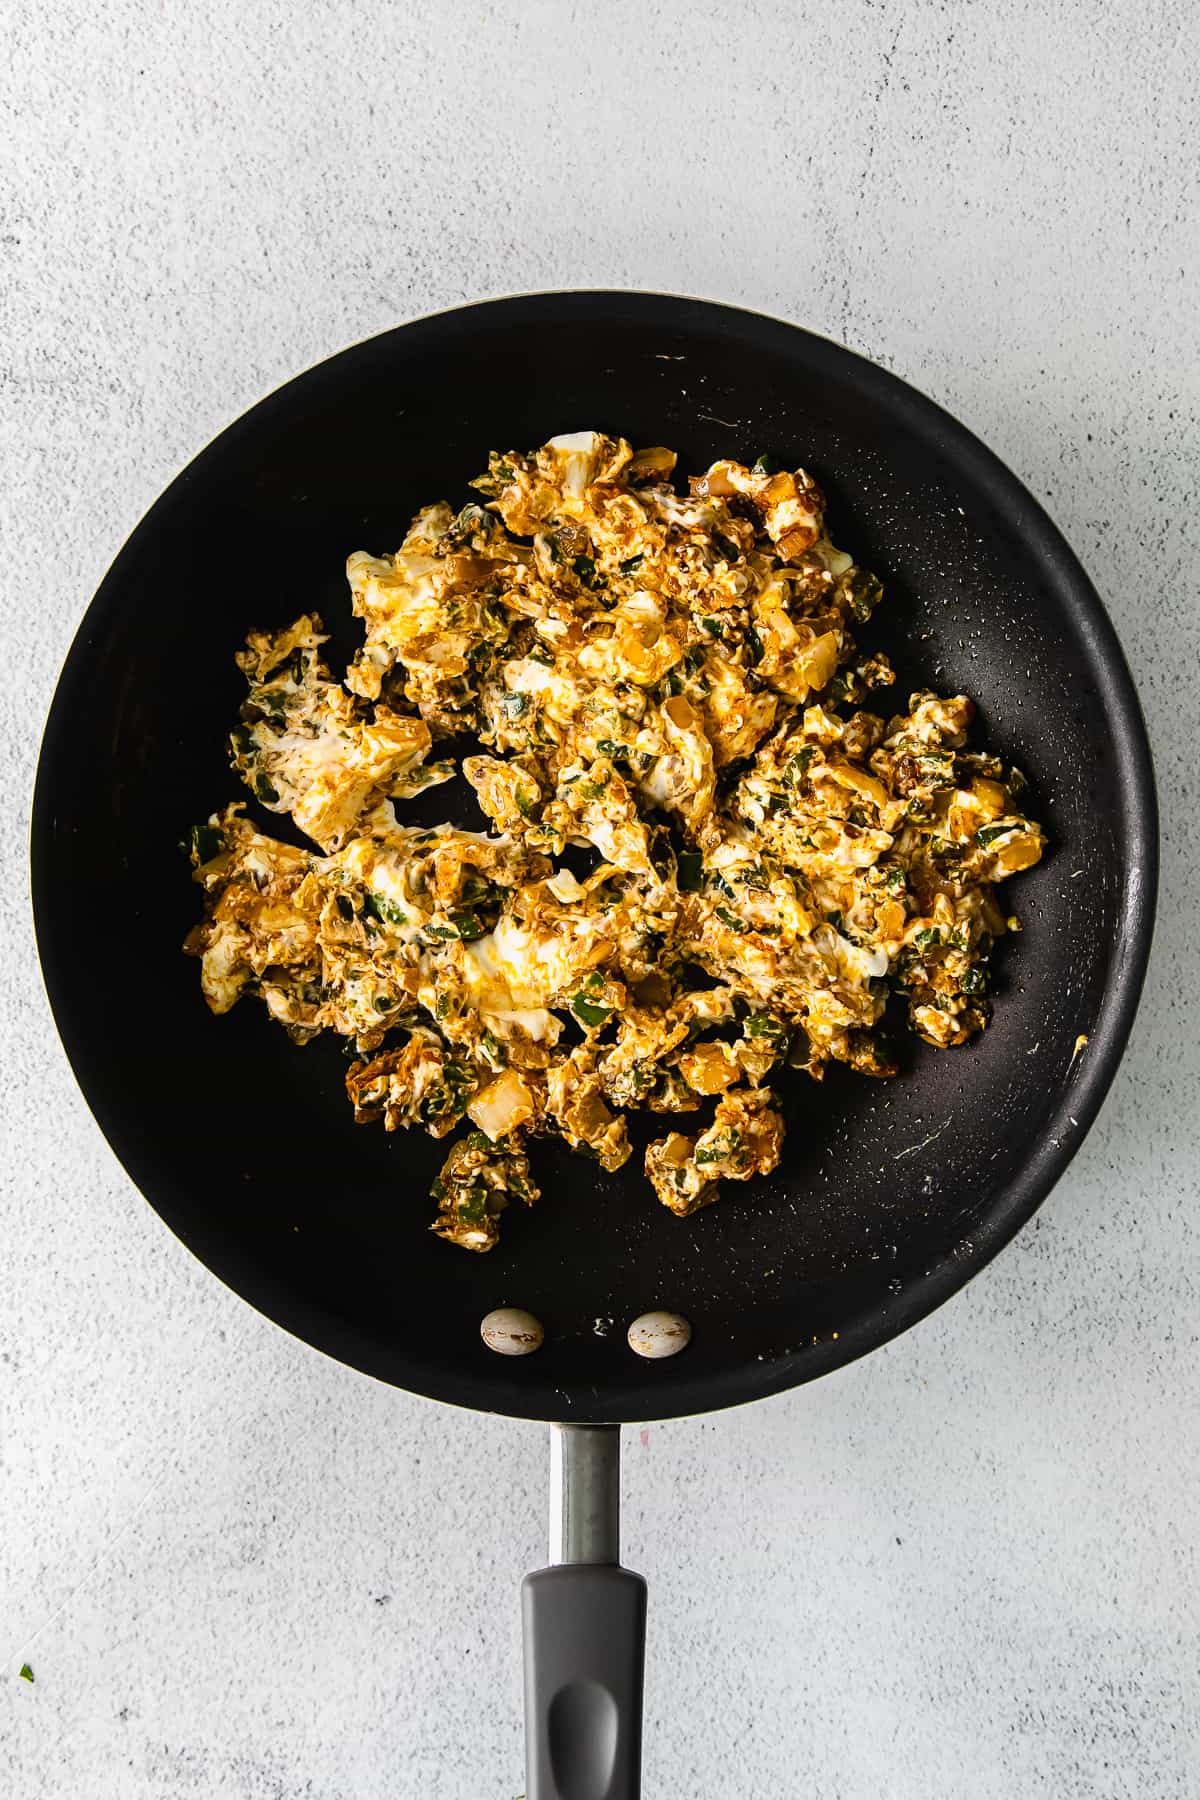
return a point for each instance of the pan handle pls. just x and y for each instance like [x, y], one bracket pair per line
[585, 1633]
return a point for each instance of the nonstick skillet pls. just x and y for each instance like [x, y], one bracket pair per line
[890, 1196]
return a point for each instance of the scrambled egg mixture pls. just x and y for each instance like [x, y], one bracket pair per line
[672, 681]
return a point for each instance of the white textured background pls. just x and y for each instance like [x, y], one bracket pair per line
[966, 1567]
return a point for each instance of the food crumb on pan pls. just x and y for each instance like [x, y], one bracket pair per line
[925, 1142]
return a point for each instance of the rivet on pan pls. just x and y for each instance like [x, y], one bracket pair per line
[659, 1334]
[511, 1332]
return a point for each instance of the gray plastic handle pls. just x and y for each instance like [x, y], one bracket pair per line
[585, 1634]
[585, 1643]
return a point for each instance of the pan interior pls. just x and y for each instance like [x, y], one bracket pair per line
[890, 1194]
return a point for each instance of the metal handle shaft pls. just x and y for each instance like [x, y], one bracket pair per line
[585, 1493]
[585, 1633]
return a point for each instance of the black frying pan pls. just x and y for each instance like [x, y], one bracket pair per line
[890, 1196]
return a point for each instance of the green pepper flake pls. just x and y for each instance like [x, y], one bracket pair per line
[764, 465]
[26, 1672]
[632, 564]
[472, 1208]
[726, 1143]
[863, 592]
[380, 907]
[585, 568]
[729, 918]
[591, 1012]
[798, 766]
[987, 834]
[689, 871]
[754, 644]
[516, 705]
[265, 791]
[468, 925]
[470, 518]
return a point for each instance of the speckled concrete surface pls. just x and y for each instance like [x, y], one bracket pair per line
[966, 1567]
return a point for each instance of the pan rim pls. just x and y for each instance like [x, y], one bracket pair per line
[632, 1396]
